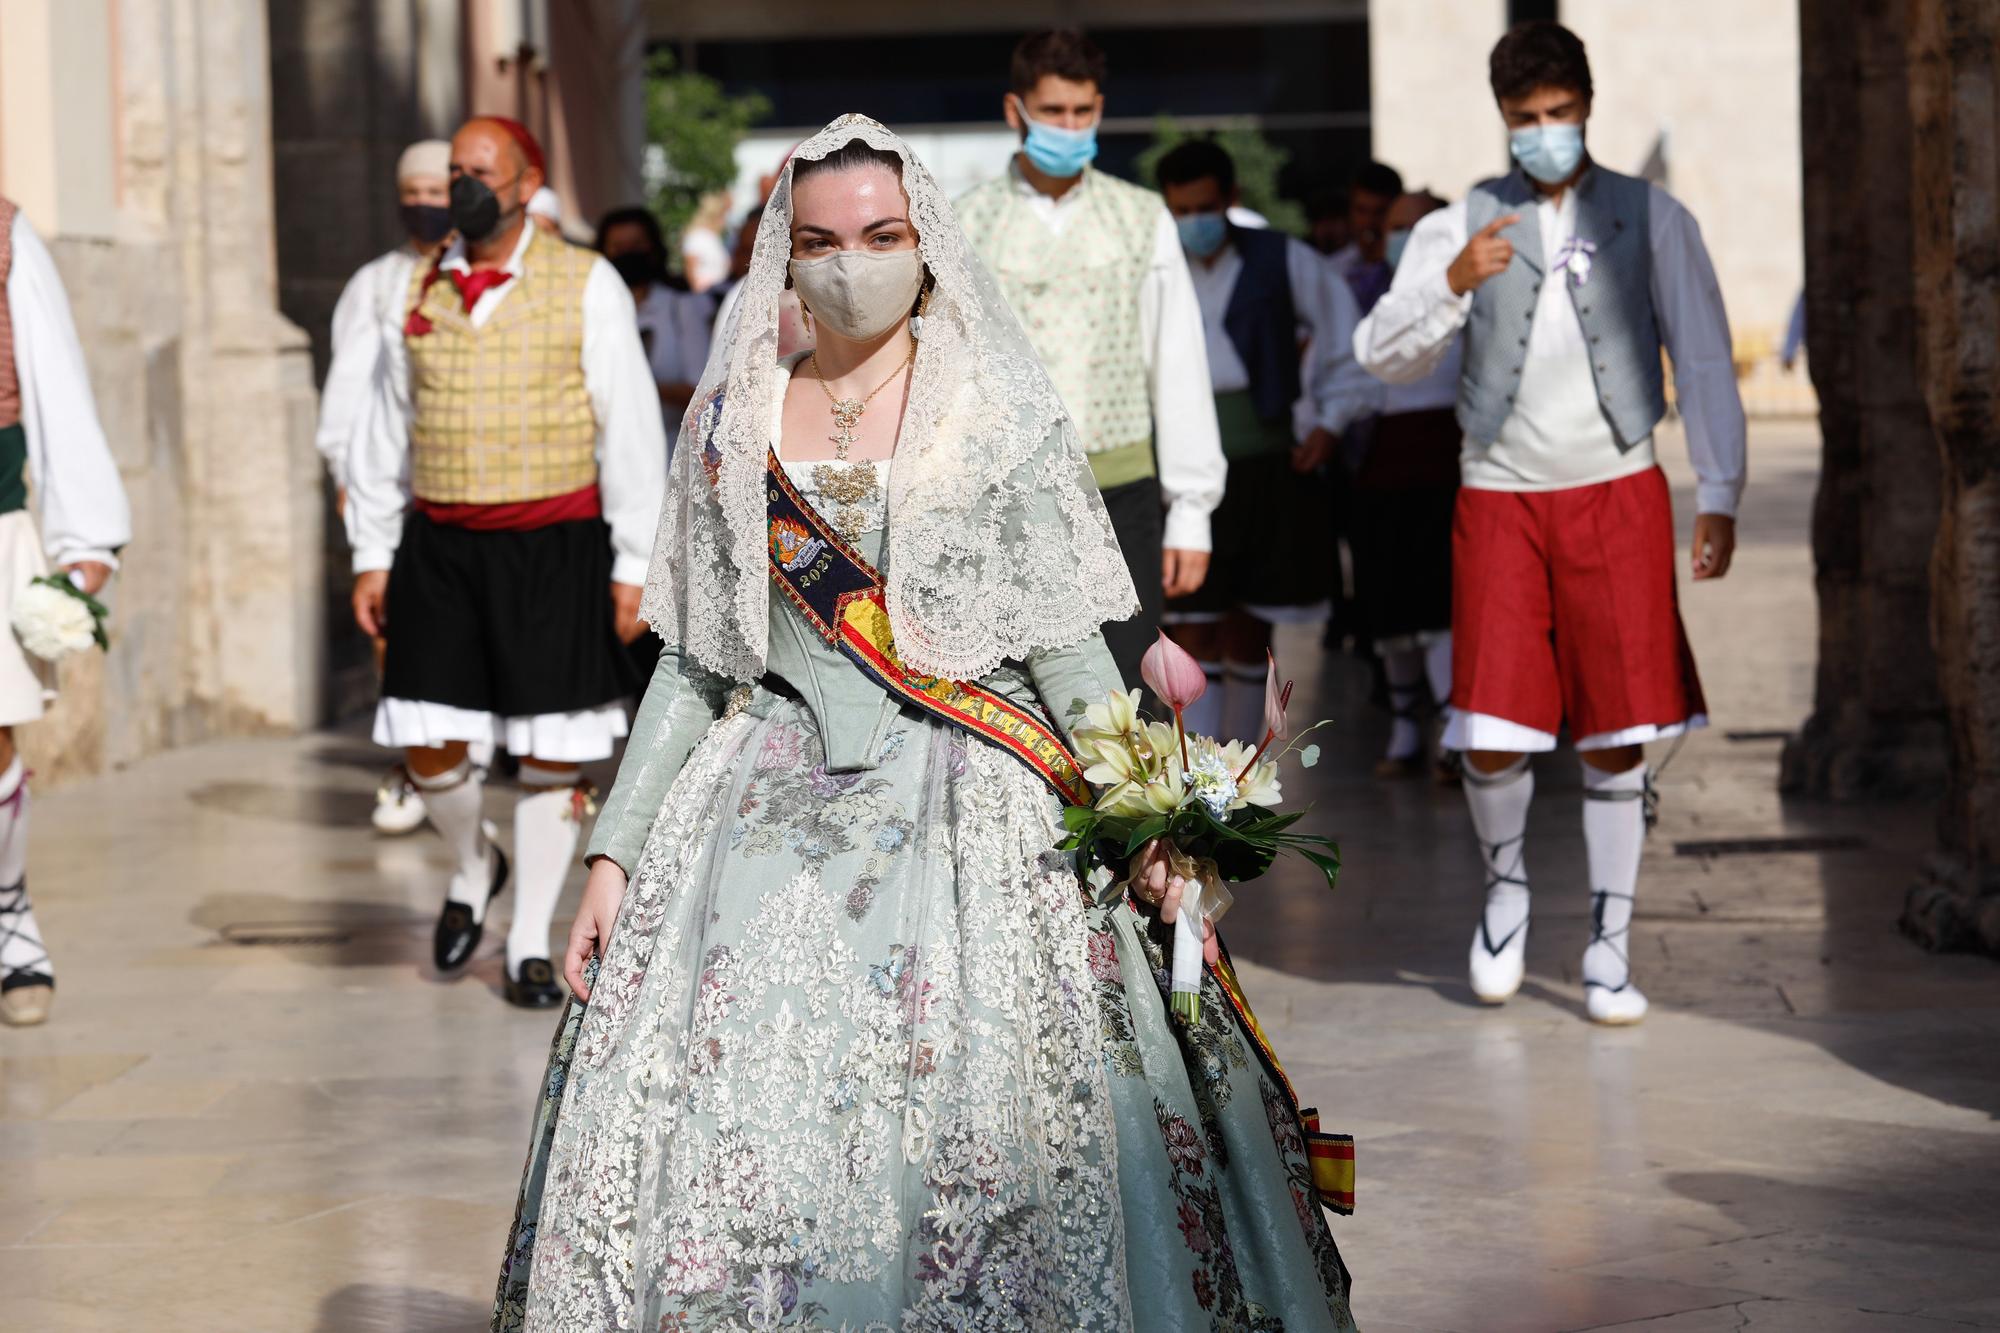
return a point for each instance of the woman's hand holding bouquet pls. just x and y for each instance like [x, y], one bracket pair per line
[1196, 813]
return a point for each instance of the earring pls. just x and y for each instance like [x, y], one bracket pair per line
[923, 305]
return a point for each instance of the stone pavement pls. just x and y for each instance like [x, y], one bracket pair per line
[256, 1108]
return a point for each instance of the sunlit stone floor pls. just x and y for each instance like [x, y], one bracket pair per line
[256, 1109]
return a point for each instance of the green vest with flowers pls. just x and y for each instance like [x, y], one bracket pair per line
[1076, 292]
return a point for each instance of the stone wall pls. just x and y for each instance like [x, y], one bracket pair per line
[1877, 727]
[204, 389]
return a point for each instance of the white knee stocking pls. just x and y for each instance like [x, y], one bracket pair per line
[1614, 833]
[1437, 669]
[21, 947]
[1404, 668]
[545, 835]
[453, 800]
[1499, 804]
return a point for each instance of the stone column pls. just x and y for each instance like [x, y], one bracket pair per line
[1877, 724]
[1954, 100]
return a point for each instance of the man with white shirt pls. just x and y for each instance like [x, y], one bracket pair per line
[50, 440]
[1567, 281]
[501, 506]
[1405, 489]
[1093, 267]
[1257, 290]
[371, 303]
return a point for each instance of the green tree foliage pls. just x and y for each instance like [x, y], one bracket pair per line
[696, 126]
[1258, 162]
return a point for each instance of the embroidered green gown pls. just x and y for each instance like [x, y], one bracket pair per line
[863, 1053]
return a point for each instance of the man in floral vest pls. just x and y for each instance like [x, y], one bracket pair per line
[501, 505]
[48, 432]
[1092, 266]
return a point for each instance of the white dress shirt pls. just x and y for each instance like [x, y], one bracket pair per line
[373, 300]
[1557, 435]
[1187, 444]
[631, 442]
[84, 514]
[1339, 389]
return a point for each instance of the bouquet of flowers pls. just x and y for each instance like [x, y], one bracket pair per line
[54, 618]
[1213, 802]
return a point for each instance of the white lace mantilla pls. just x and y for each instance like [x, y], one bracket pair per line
[998, 543]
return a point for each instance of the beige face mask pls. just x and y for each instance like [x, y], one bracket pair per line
[858, 294]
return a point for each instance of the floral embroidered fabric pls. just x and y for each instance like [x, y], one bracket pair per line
[862, 1055]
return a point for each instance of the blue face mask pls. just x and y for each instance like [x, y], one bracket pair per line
[1549, 153]
[1055, 151]
[1202, 234]
[1392, 249]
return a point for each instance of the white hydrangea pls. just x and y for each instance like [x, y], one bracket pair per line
[51, 623]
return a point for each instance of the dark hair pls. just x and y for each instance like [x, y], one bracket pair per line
[1066, 53]
[854, 153]
[1328, 201]
[1540, 53]
[633, 215]
[1196, 159]
[1377, 178]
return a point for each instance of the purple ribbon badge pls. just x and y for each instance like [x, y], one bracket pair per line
[1575, 259]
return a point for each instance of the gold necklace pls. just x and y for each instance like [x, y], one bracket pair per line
[851, 486]
[847, 411]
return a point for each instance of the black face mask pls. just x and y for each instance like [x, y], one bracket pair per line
[639, 268]
[428, 223]
[475, 209]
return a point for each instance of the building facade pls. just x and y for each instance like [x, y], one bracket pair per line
[207, 174]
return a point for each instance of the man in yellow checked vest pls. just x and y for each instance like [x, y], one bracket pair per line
[502, 497]
[1092, 266]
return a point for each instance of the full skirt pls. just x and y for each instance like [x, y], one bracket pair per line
[864, 1054]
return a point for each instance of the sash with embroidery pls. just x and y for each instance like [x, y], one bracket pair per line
[841, 596]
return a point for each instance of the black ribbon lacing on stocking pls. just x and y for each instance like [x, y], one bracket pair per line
[1598, 935]
[1495, 877]
[1649, 793]
[13, 912]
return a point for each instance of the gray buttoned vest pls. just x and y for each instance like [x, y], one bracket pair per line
[1615, 306]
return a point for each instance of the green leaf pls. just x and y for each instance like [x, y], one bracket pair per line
[1328, 865]
[1145, 832]
[1309, 756]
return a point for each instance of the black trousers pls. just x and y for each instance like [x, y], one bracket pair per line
[1139, 521]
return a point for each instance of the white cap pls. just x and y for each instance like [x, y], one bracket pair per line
[544, 203]
[427, 159]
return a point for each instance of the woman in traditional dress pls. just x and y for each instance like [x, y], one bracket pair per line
[861, 1050]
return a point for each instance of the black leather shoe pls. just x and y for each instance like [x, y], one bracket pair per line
[458, 935]
[536, 988]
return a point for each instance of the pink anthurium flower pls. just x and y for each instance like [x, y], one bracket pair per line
[1171, 673]
[1276, 699]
